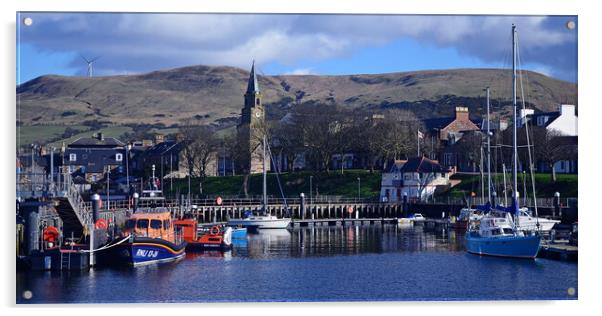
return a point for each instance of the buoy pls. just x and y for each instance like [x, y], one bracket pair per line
[214, 230]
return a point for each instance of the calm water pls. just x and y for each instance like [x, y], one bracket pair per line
[317, 264]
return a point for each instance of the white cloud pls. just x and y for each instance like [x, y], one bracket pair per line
[143, 42]
[301, 71]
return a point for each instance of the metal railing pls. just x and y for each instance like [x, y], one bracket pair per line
[58, 185]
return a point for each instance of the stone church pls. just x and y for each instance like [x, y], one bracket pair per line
[251, 129]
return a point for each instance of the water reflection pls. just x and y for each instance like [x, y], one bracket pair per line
[316, 264]
[347, 240]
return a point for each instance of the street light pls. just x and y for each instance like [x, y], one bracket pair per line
[128, 147]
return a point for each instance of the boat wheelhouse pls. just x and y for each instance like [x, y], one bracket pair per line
[153, 239]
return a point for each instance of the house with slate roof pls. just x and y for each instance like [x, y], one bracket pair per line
[564, 120]
[89, 159]
[417, 178]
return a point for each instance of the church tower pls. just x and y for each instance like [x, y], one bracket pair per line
[252, 128]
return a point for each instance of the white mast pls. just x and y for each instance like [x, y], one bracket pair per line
[265, 196]
[488, 151]
[514, 142]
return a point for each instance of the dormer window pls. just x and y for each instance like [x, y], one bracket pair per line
[542, 120]
[72, 157]
[118, 157]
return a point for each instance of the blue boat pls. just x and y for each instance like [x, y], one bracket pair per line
[239, 232]
[496, 233]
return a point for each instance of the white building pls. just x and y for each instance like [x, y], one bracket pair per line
[564, 120]
[418, 178]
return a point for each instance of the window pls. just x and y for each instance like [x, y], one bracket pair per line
[119, 157]
[130, 223]
[72, 157]
[166, 224]
[541, 120]
[155, 224]
[142, 223]
[508, 231]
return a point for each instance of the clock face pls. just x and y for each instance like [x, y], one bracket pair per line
[257, 114]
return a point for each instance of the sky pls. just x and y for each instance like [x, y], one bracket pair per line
[57, 43]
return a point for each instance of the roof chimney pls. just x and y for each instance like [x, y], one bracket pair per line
[462, 113]
[159, 138]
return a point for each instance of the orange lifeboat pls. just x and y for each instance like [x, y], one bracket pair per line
[218, 237]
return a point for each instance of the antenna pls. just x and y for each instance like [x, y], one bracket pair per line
[90, 63]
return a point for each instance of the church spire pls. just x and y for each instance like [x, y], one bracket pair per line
[253, 87]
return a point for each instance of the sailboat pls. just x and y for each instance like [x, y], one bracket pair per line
[496, 233]
[263, 220]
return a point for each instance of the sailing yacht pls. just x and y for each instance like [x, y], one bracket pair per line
[497, 233]
[263, 220]
[531, 223]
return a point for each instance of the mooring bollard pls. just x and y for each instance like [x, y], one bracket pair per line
[136, 199]
[302, 207]
[95, 207]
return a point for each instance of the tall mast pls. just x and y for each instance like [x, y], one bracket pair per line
[265, 195]
[514, 142]
[488, 151]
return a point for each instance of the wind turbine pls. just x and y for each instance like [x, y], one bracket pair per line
[90, 63]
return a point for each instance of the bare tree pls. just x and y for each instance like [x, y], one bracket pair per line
[396, 135]
[321, 129]
[199, 148]
[548, 147]
[469, 148]
[287, 141]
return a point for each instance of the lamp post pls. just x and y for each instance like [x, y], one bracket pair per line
[108, 180]
[128, 147]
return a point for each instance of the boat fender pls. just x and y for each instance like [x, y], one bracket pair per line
[51, 234]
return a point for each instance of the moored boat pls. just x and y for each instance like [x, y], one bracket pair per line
[495, 235]
[263, 220]
[497, 232]
[527, 222]
[217, 238]
[239, 232]
[152, 239]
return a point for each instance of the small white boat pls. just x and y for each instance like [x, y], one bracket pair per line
[264, 220]
[261, 222]
[526, 222]
[417, 217]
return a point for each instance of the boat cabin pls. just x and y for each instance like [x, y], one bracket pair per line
[153, 225]
[492, 226]
[188, 227]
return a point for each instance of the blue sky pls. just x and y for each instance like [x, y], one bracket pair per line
[289, 44]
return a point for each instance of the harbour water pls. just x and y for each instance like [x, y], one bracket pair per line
[356, 263]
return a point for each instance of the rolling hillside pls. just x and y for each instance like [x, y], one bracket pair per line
[214, 95]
